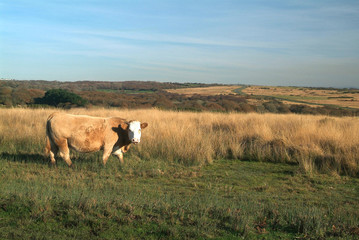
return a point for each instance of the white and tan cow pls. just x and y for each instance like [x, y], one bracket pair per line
[90, 134]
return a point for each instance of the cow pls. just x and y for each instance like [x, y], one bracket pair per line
[90, 134]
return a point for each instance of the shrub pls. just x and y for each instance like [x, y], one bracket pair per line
[61, 98]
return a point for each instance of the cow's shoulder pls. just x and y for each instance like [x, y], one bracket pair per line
[115, 121]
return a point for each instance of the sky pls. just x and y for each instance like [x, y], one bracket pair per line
[256, 42]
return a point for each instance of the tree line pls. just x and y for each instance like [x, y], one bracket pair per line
[136, 94]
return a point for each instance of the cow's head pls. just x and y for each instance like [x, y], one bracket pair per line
[134, 130]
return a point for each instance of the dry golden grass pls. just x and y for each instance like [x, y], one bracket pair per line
[319, 96]
[206, 91]
[327, 144]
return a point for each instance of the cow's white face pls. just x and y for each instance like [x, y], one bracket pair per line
[134, 131]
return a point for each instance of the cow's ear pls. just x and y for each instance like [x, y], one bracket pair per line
[144, 125]
[124, 126]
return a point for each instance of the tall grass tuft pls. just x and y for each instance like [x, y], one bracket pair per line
[315, 143]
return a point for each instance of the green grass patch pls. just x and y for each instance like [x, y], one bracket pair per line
[156, 199]
[341, 97]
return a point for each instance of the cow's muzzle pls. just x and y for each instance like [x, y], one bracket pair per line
[135, 141]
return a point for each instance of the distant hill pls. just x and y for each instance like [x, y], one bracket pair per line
[187, 97]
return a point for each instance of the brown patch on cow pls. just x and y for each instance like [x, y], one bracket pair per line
[124, 126]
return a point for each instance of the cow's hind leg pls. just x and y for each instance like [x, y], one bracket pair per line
[64, 151]
[51, 149]
[53, 153]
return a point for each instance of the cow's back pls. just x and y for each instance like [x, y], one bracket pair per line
[83, 133]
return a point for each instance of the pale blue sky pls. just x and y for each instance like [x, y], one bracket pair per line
[280, 42]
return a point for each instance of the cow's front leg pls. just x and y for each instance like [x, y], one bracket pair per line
[118, 153]
[106, 155]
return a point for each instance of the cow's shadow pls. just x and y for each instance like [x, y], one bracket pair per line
[42, 159]
[25, 157]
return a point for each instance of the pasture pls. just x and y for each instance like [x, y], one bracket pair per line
[194, 175]
[310, 96]
[206, 91]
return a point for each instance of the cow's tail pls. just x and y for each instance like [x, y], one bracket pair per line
[48, 140]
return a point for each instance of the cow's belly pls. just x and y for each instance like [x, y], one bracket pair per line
[87, 138]
[85, 145]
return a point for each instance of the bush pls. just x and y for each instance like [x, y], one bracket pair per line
[61, 98]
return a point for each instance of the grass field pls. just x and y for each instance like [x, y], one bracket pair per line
[315, 143]
[308, 95]
[289, 95]
[194, 175]
[207, 91]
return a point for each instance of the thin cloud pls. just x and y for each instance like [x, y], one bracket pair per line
[172, 39]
